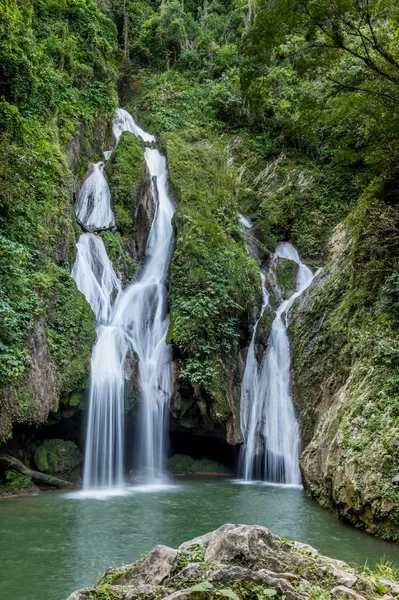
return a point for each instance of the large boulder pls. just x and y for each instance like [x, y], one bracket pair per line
[59, 458]
[238, 562]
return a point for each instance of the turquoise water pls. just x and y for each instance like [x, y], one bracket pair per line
[55, 543]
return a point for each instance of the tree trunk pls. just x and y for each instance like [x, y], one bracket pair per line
[17, 465]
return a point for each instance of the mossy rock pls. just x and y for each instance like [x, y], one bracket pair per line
[15, 482]
[127, 175]
[70, 330]
[119, 254]
[214, 284]
[181, 463]
[126, 172]
[58, 457]
[286, 273]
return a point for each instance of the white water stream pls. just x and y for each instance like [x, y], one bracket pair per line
[93, 206]
[271, 434]
[95, 275]
[137, 324]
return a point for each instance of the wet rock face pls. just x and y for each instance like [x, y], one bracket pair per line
[348, 427]
[36, 393]
[236, 561]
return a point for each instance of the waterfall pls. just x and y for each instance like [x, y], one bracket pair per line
[95, 275]
[93, 207]
[146, 326]
[125, 122]
[136, 324]
[268, 423]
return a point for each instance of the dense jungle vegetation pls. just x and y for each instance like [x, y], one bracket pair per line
[286, 111]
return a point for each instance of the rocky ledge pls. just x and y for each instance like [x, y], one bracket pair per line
[238, 562]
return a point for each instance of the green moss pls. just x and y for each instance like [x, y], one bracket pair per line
[15, 481]
[111, 576]
[345, 335]
[214, 284]
[40, 458]
[70, 330]
[119, 252]
[286, 273]
[57, 457]
[180, 463]
[126, 173]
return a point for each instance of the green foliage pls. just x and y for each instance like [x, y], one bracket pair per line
[58, 69]
[57, 60]
[19, 303]
[180, 463]
[57, 457]
[195, 554]
[111, 576]
[70, 330]
[15, 481]
[189, 35]
[211, 591]
[126, 174]
[214, 283]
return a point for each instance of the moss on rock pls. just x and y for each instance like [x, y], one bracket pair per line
[16, 484]
[345, 365]
[70, 330]
[181, 463]
[214, 284]
[286, 273]
[126, 173]
[58, 457]
[240, 562]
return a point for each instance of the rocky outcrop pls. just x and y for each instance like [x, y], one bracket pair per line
[60, 339]
[237, 562]
[343, 351]
[35, 394]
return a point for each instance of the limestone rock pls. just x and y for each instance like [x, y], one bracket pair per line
[343, 593]
[237, 559]
[153, 568]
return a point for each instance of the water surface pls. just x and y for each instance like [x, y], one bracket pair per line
[54, 543]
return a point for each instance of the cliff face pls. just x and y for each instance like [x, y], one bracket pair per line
[345, 353]
[59, 341]
[55, 110]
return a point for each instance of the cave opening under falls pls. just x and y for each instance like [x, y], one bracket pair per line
[136, 326]
[268, 423]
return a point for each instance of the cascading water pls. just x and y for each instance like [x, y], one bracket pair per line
[95, 275]
[268, 423]
[147, 326]
[93, 206]
[136, 323]
[125, 122]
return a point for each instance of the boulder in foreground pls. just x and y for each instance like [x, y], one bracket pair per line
[238, 562]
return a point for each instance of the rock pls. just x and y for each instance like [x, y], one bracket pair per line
[58, 457]
[36, 393]
[343, 593]
[240, 559]
[153, 568]
[147, 591]
[395, 479]
[391, 587]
